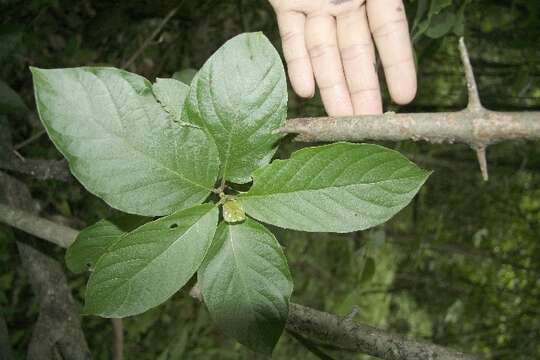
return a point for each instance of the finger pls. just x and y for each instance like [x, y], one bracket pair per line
[388, 24]
[358, 58]
[321, 40]
[305, 6]
[291, 27]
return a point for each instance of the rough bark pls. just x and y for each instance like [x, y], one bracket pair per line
[473, 128]
[40, 169]
[352, 336]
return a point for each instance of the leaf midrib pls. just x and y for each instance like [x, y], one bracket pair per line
[248, 196]
[131, 278]
[125, 141]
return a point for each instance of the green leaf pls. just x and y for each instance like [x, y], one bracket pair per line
[147, 266]
[421, 9]
[172, 96]
[459, 23]
[437, 6]
[185, 75]
[240, 98]
[121, 144]
[246, 284]
[10, 101]
[441, 24]
[93, 241]
[340, 187]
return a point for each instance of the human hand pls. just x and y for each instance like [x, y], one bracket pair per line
[332, 39]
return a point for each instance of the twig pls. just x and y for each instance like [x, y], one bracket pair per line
[328, 328]
[149, 39]
[30, 140]
[118, 339]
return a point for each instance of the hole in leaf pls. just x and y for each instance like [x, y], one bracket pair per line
[173, 226]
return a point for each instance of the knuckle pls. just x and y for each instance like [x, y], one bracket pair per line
[332, 85]
[397, 62]
[389, 27]
[290, 36]
[320, 50]
[298, 59]
[367, 94]
[355, 51]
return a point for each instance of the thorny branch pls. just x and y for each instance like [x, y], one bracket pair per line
[474, 126]
[340, 332]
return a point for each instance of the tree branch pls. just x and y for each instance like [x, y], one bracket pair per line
[474, 126]
[352, 336]
[455, 127]
[149, 39]
[39, 168]
[42, 228]
[342, 333]
[58, 329]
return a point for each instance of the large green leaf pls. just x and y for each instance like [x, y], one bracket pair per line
[340, 187]
[147, 266]
[246, 284]
[185, 75]
[240, 97]
[120, 142]
[172, 95]
[93, 241]
[10, 101]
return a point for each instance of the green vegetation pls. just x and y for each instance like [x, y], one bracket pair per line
[458, 267]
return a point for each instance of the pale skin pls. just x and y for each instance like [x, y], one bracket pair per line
[331, 43]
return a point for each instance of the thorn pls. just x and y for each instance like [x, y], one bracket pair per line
[481, 155]
[18, 154]
[474, 98]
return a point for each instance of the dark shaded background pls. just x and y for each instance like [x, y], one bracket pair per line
[459, 267]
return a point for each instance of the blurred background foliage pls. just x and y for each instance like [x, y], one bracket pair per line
[459, 267]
